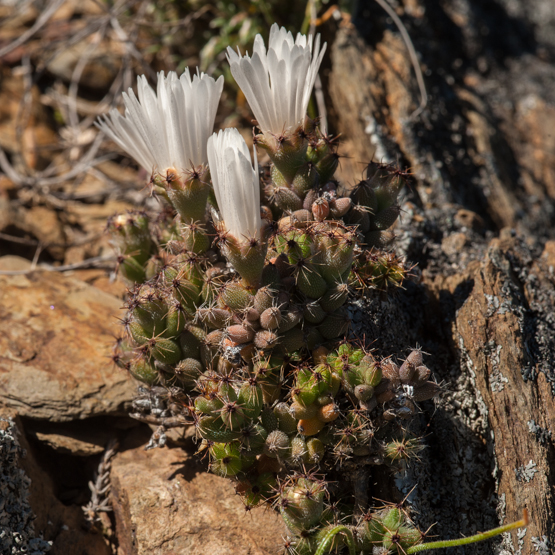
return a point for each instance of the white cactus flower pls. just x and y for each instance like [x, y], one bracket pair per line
[278, 83]
[236, 184]
[169, 128]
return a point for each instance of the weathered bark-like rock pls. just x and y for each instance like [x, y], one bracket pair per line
[497, 346]
[484, 139]
[165, 504]
[55, 522]
[55, 337]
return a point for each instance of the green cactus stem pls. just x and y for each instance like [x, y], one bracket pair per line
[482, 536]
[327, 541]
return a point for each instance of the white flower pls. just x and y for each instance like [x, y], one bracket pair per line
[236, 183]
[169, 128]
[278, 83]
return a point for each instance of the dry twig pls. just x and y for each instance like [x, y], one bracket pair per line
[100, 488]
[94, 262]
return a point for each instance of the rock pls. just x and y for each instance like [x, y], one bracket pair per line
[484, 140]
[453, 243]
[67, 444]
[44, 224]
[56, 335]
[469, 220]
[16, 523]
[63, 526]
[166, 504]
[506, 333]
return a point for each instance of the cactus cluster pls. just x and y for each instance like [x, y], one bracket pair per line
[237, 319]
[254, 336]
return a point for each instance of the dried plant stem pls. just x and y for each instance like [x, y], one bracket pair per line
[413, 57]
[95, 262]
[100, 488]
[40, 22]
[166, 422]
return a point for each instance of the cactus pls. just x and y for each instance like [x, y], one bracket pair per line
[244, 317]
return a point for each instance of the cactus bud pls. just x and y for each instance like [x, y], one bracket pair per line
[312, 337]
[264, 299]
[404, 449]
[251, 398]
[270, 276]
[392, 519]
[240, 334]
[235, 297]
[138, 333]
[208, 405]
[190, 341]
[422, 374]
[372, 530]
[299, 451]
[319, 355]
[310, 426]
[254, 438]
[378, 239]
[292, 340]
[277, 445]
[310, 282]
[426, 391]
[164, 350]
[269, 419]
[143, 371]
[131, 269]
[270, 319]
[334, 325]
[188, 371]
[303, 502]
[186, 292]
[226, 459]
[335, 297]
[305, 179]
[370, 371]
[316, 450]
[232, 415]
[212, 428]
[328, 412]
[265, 339]
[195, 238]
[285, 198]
[290, 319]
[364, 392]
[299, 411]
[214, 318]
[339, 207]
[287, 422]
[320, 209]
[385, 219]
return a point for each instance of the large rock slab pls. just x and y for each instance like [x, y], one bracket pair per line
[166, 504]
[56, 334]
